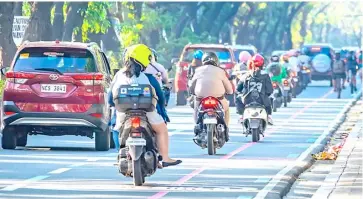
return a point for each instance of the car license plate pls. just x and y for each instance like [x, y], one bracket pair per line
[210, 121]
[53, 88]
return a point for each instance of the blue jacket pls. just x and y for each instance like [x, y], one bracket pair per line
[160, 107]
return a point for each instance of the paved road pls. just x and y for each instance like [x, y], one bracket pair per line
[68, 167]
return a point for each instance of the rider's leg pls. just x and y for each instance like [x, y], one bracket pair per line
[225, 104]
[162, 137]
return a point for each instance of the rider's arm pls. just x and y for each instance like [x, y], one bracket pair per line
[159, 93]
[269, 89]
[164, 74]
[227, 84]
[110, 99]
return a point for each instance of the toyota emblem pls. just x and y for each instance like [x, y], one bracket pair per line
[53, 77]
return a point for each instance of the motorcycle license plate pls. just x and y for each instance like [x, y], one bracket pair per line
[276, 91]
[286, 88]
[135, 142]
[210, 121]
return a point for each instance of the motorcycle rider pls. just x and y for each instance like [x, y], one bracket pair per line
[352, 68]
[196, 62]
[243, 58]
[339, 70]
[304, 60]
[136, 60]
[210, 80]
[260, 79]
[278, 71]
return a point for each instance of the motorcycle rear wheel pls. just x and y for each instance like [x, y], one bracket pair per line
[210, 132]
[138, 178]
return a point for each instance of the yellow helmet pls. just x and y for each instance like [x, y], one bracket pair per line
[140, 53]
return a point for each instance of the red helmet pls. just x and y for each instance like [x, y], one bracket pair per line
[258, 61]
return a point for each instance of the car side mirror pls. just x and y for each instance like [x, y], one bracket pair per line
[4, 70]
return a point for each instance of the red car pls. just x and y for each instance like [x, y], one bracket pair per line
[56, 88]
[226, 57]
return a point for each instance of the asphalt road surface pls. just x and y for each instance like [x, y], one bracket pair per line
[68, 166]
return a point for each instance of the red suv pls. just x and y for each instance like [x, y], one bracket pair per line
[56, 88]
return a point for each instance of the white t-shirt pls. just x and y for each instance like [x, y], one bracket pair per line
[158, 71]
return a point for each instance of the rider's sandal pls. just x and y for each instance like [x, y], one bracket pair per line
[168, 164]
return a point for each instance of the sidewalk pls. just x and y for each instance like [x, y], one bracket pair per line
[345, 178]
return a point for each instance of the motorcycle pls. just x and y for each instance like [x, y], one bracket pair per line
[305, 76]
[296, 89]
[211, 125]
[138, 155]
[287, 94]
[276, 97]
[254, 121]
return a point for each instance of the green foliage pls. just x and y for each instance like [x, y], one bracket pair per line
[27, 9]
[2, 85]
[95, 19]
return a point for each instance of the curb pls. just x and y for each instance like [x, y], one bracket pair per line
[339, 166]
[305, 160]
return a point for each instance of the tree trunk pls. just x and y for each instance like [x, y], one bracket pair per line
[58, 22]
[74, 19]
[7, 45]
[39, 28]
[110, 39]
[18, 9]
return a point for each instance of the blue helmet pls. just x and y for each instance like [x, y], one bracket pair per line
[198, 54]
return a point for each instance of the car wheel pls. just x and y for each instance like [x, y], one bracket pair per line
[8, 140]
[102, 142]
[22, 141]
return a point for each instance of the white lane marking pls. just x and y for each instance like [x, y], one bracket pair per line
[60, 170]
[92, 159]
[77, 165]
[280, 175]
[24, 183]
[262, 180]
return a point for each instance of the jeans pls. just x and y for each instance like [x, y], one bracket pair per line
[115, 140]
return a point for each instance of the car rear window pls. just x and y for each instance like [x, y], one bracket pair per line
[313, 51]
[65, 60]
[223, 54]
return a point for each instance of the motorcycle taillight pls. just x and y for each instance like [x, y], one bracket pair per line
[135, 122]
[209, 103]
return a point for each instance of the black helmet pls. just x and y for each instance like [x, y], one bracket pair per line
[210, 58]
[274, 58]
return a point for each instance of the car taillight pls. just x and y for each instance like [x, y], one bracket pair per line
[286, 83]
[19, 77]
[9, 113]
[209, 103]
[274, 85]
[96, 115]
[90, 79]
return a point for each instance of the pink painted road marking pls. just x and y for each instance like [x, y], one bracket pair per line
[233, 153]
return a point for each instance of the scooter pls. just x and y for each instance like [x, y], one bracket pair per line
[287, 94]
[276, 97]
[296, 89]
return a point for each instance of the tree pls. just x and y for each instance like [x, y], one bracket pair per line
[7, 44]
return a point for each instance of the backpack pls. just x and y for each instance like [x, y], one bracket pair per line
[339, 67]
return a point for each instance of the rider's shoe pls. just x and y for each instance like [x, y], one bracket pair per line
[240, 120]
[269, 119]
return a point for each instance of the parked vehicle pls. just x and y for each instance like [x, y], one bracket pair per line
[56, 88]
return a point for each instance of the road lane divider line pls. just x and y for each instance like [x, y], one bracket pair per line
[24, 183]
[242, 148]
[60, 170]
[306, 154]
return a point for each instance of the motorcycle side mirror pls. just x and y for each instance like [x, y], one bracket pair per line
[4, 70]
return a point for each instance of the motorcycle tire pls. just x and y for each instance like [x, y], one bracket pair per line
[211, 146]
[255, 135]
[138, 178]
[285, 101]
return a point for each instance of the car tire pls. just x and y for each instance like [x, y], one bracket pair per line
[102, 142]
[22, 141]
[8, 140]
